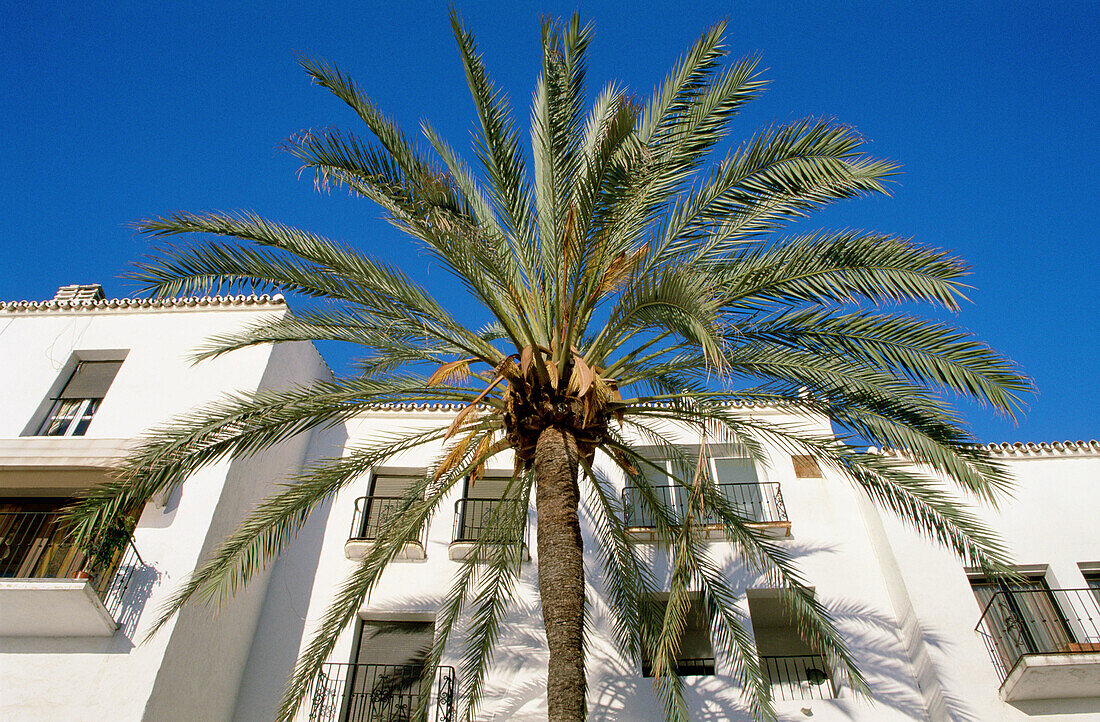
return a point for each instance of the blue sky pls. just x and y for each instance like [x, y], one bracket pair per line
[116, 111]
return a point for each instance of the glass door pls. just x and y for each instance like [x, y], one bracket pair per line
[1022, 618]
[388, 679]
[739, 486]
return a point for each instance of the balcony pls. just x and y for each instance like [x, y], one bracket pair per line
[759, 502]
[1044, 643]
[482, 519]
[49, 588]
[380, 693]
[798, 677]
[371, 519]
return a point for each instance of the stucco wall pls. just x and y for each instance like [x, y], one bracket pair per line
[829, 539]
[115, 678]
[1050, 521]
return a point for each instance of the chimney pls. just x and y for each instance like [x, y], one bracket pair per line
[75, 292]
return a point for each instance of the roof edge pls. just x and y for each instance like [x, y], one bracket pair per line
[1028, 449]
[110, 304]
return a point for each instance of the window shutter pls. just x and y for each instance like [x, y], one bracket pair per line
[91, 379]
[805, 467]
[395, 642]
[391, 485]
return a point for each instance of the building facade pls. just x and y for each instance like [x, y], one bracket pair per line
[85, 376]
[936, 641]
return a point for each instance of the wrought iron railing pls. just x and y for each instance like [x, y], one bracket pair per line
[373, 515]
[685, 666]
[37, 545]
[381, 693]
[759, 502]
[798, 677]
[1017, 622]
[475, 518]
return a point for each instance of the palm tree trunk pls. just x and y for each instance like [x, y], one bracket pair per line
[561, 572]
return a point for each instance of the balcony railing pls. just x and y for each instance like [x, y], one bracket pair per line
[475, 518]
[380, 693]
[1020, 622]
[759, 502]
[373, 515]
[36, 545]
[685, 667]
[798, 677]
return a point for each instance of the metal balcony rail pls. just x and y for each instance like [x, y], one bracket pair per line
[380, 693]
[799, 677]
[373, 515]
[760, 502]
[36, 545]
[474, 518]
[1017, 622]
[685, 667]
[68, 417]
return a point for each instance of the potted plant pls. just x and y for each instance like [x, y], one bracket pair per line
[106, 549]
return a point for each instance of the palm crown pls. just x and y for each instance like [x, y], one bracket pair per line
[628, 280]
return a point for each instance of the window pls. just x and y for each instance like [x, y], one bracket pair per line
[794, 668]
[735, 479]
[387, 679]
[695, 656]
[1022, 617]
[374, 511]
[79, 399]
[738, 484]
[1091, 572]
[33, 544]
[487, 502]
[385, 682]
[805, 467]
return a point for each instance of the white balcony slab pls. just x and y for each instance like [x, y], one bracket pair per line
[52, 608]
[1075, 674]
[357, 549]
[64, 452]
[57, 465]
[713, 532]
[460, 550]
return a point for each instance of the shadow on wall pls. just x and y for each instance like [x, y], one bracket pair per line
[282, 622]
[1044, 707]
[874, 640]
[618, 691]
[143, 579]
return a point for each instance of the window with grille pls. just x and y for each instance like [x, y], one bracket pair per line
[695, 654]
[735, 480]
[72, 410]
[794, 667]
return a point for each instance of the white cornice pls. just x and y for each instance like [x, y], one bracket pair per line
[1033, 449]
[140, 304]
[1027, 450]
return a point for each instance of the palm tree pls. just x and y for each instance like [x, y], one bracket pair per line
[628, 279]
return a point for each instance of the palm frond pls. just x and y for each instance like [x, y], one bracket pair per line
[628, 289]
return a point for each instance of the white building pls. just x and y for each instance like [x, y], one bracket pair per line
[934, 643]
[84, 377]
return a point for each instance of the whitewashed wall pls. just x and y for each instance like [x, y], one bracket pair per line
[191, 670]
[829, 538]
[904, 606]
[1051, 522]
